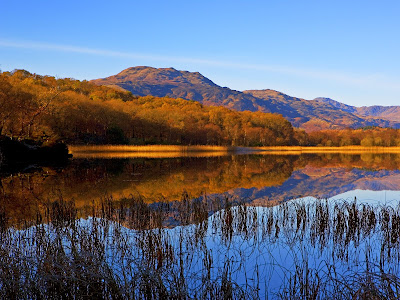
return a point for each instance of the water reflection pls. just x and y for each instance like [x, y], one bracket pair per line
[301, 249]
[263, 179]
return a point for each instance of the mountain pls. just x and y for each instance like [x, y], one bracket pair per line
[314, 114]
[391, 113]
[336, 104]
[143, 81]
[320, 113]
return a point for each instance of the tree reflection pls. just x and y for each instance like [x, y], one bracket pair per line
[263, 179]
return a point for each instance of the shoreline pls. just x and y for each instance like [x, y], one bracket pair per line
[321, 149]
[78, 150]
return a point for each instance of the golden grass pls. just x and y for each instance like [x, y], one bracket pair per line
[155, 154]
[315, 149]
[149, 148]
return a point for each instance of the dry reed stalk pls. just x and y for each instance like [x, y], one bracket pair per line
[98, 258]
[149, 148]
[317, 149]
[113, 154]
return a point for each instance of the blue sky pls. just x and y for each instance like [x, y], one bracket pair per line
[345, 50]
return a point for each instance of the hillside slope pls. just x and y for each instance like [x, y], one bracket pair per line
[320, 113]
[391, 113]
[143, 81]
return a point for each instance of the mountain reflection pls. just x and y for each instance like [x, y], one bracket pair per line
[262, 179]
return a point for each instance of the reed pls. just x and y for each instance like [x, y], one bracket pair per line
[317, 149]
[148, 148]
[226, 250]
[148, 154]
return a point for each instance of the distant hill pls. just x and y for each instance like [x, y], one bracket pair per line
[314, 114]
[391, 113]
[143, 81]
[320, 113]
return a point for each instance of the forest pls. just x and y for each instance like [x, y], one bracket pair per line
[367, 137]
[47, 109]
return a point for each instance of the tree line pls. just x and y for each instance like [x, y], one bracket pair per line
[78, 112]
[367, 137]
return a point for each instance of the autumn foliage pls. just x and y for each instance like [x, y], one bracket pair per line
[367, 137]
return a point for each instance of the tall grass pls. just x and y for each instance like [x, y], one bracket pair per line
[317, 149]
[214, 249]
[153, 151]
[148, 148]
[149, 154]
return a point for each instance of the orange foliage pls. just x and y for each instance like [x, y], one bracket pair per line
[367, 137]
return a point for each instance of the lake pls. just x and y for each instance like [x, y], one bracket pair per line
[248, 225]
[262, 180]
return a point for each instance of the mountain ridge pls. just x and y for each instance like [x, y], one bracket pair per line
[311, 115]
[391, 113]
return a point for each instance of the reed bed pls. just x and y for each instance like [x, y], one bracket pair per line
[148, 154]
[148, 148]
[214, 249]
[317, 149]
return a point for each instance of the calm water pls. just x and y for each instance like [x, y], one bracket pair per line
[263, 180]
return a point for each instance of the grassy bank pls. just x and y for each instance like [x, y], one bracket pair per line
[154, 151]
[318, 149]
[148, 148]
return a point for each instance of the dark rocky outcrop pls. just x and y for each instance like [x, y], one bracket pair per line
[14, 151]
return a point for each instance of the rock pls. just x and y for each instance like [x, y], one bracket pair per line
[14, 151]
